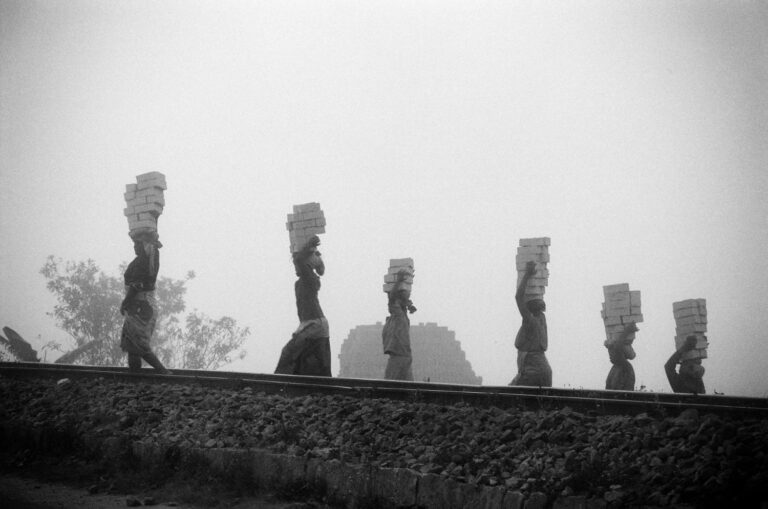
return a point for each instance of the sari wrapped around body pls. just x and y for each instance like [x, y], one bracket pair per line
[396, 339]
[531, 341]
[139, 324]
[139, 307]
[308, 352]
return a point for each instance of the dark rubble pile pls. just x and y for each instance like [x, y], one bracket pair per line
[693, 458]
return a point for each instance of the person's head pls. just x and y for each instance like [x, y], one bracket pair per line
[316, 262]
[144, 238]
[403, 291]
[536, 306]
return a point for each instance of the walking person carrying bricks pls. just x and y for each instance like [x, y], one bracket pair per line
[308, 352]
[531, 341]
[138, 306]
[396, 334]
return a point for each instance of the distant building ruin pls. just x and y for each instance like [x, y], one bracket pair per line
[437, 355]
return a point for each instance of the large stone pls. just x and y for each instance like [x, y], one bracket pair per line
[394, 487]
[537, 500]
[272, 471]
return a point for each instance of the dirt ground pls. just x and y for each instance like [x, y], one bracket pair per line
[32, 481]
[18, 492]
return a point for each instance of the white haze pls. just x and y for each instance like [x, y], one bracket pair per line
[633, 134]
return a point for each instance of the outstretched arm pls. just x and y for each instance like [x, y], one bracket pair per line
[530, 270]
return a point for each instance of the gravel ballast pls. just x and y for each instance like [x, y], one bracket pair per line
[694, 458]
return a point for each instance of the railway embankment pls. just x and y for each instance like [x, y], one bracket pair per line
[378, 452]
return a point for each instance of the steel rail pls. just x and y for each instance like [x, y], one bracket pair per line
[522, 398]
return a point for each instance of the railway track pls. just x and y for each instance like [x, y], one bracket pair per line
[521, 398]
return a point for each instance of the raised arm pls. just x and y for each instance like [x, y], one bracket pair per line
[669, 366]
[308, 259]
[530, 270]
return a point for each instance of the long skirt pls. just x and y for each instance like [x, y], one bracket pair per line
[532, 370]
[138, 326]
[399, 368]
[308, 352]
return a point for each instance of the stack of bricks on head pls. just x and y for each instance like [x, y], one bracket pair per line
[306, 221]
[533, 250]
[691, 320]
[394, 280]
[621, 306]
[144, 202]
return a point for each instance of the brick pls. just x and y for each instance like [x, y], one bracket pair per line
[147, 216]
[388, 287]
[393, 278]
[309, 223]
[523, 258]
[134, 202]
[618, 297]
[151, 184]
[701, 339]
[617, 311]
[315, 214]
[144, 224]
[615, 336]
[688, 320]
[306, 207]
[129, 195]
[151, 192]
[685, 312]
[129, 211]
[130, 188]
[688, 303]
[149, 176]
[315, 230]
[535, 241]
[634, 298]
[532, 250]
[149, 207]
[694, 328]
[633, 318]
[612, 320]
[401, 262]
[621, 287]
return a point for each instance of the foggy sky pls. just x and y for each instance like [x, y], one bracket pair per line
[633, 134]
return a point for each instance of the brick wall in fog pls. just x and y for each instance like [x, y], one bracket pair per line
[437, 355]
